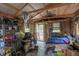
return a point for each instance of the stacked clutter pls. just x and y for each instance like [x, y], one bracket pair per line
[17, 47]
[7, 51]
[56, 49]
[71, 52]
[50, 49]
[27, 41]
[60, 49]
[8, 43]
[21, 44]
[29, 44]
[2, 45]
[6, 35]
[8, 39]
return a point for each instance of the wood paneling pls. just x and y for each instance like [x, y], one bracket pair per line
[20, 10]
[11, 6]
[66, 28]
[50, 6]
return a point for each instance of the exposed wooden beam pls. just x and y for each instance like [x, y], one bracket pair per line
[20, 9]
[50, 6]
[32, 6]
[38, 9]
[37, 14]
[34, 9]
[57, 16]
[54, 20]
[51, 19]
[11, 6]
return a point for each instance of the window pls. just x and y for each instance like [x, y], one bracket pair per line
[27, 30]
[56, 27]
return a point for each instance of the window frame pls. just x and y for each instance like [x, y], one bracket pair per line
[59, 28]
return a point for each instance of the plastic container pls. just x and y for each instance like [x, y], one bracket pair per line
[59, 53]
[2, 44]
[1, 52]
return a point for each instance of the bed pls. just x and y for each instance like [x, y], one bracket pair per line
[59, 39]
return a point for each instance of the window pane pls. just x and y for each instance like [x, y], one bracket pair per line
[56, 30]
[56, 27]
[56, 24]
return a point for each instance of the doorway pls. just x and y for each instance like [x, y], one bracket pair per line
[40, 31]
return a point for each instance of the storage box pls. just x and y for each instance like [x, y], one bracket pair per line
[7, 50]
[72, 52]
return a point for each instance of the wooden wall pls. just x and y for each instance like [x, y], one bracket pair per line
[66, 28]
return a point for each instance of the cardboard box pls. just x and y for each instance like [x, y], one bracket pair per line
[71, 52]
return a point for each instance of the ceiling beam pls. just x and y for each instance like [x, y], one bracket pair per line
[37, 14]
[50, 6]
[57, 16]
[11, 6]
[54, 20]
[34, 9]
[20, 9]
[32, 6]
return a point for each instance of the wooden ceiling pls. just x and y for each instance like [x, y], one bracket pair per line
[38, 10]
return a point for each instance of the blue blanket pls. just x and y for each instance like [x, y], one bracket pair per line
[59, 40]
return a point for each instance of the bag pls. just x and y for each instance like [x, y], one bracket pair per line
[8, 38]
[14, 37]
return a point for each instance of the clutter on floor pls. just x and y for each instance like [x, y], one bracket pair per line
[30, 32]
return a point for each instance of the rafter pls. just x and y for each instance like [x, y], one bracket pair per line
[50, 6]
[32, 6]
[34, 9]
[57, 16]
[11, 6]
[20, 9]
[37, 14]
